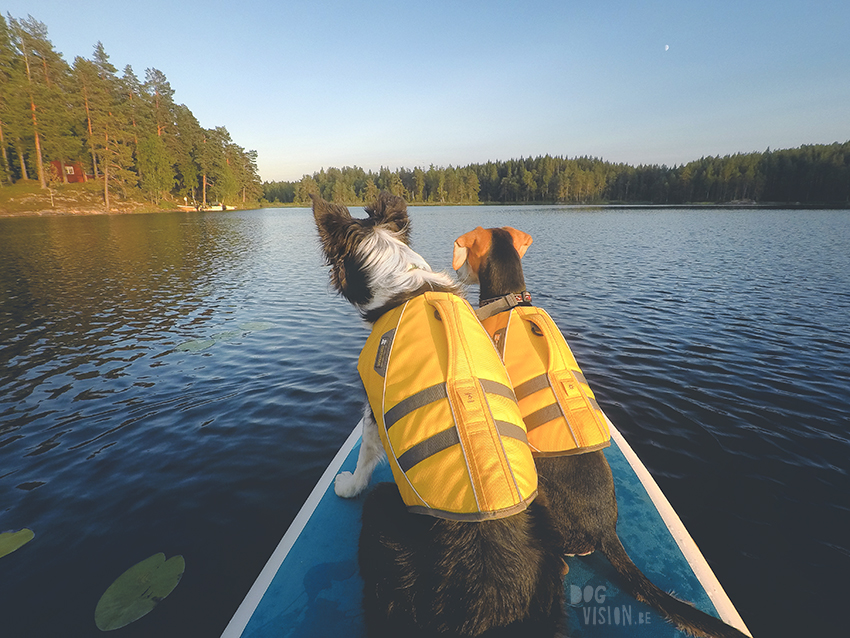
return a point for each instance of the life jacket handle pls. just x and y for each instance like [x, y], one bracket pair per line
[466, 395]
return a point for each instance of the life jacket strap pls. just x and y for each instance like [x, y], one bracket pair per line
[489, 307]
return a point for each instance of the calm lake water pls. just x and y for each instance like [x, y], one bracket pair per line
[177, 383]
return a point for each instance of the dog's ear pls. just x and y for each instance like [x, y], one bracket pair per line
[471, 248]
[391, 211]
[339, 233]
[332, 221]
[521, 240]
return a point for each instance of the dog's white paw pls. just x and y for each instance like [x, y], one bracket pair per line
[346, 485]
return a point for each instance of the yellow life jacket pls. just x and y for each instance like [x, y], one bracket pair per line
[446, 412]
[560, 412]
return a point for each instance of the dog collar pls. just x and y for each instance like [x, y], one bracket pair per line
[489, 307]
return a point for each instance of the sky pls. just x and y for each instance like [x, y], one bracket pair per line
[314, 84]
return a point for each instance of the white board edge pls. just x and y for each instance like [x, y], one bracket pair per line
[246, 609]
[686, 543]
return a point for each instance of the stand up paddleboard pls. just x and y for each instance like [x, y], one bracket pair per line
[311, 585]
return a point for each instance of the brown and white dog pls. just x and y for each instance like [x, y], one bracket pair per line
[424, 575]
[579, 487]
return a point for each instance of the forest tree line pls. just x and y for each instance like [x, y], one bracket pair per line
[813, 174]
[127, 134]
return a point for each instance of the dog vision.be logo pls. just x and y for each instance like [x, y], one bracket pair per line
[598, 607]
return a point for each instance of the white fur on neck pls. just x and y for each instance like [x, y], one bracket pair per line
[393, 268]
[466, 275]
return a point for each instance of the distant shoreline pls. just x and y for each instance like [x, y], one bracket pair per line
[144, 209]
[132, 208]
[26, 199]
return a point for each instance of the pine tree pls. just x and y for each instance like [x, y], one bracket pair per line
[25, 32]
[245, 169]
[154, 162]
[211, 159]
[90, 91]
[371, 192]
[50, 98]
[108, 123]
[160, 97]
[7, 73]
[131, 93]
[305, 188]
[418, 191]
[188, 145]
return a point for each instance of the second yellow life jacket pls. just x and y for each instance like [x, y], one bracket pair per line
[560, 411]
[446, 413]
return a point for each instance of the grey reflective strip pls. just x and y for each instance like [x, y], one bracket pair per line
[579, 376]
[543, 415]
[494, 387]
[428, 447]
[531, 386]
[413, 402]
[593, 403]
[511, 430]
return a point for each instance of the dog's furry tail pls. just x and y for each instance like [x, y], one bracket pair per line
[683, 615]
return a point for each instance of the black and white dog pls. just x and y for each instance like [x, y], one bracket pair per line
[424, 575]
[580, 487]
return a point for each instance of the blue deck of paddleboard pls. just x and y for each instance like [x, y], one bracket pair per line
[316, 589]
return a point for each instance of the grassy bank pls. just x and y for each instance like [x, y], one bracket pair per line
[27, 198]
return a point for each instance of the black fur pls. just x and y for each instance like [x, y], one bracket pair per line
[431, 577]
[502, 269]
[371, 316]
[391, 211]
[427, 576]
[580, 488]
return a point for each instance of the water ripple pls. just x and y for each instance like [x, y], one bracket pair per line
[172, 382]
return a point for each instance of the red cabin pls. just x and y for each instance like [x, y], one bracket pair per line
[74, 172]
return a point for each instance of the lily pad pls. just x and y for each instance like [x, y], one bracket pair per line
[137, 591]
[10, 541]
[228, 335]
[195, 345]
[256, 326]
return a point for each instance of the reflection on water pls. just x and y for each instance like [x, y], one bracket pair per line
[176, 383]
[86, 298]
[150, 365]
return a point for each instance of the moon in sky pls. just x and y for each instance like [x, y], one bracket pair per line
[666, 47]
